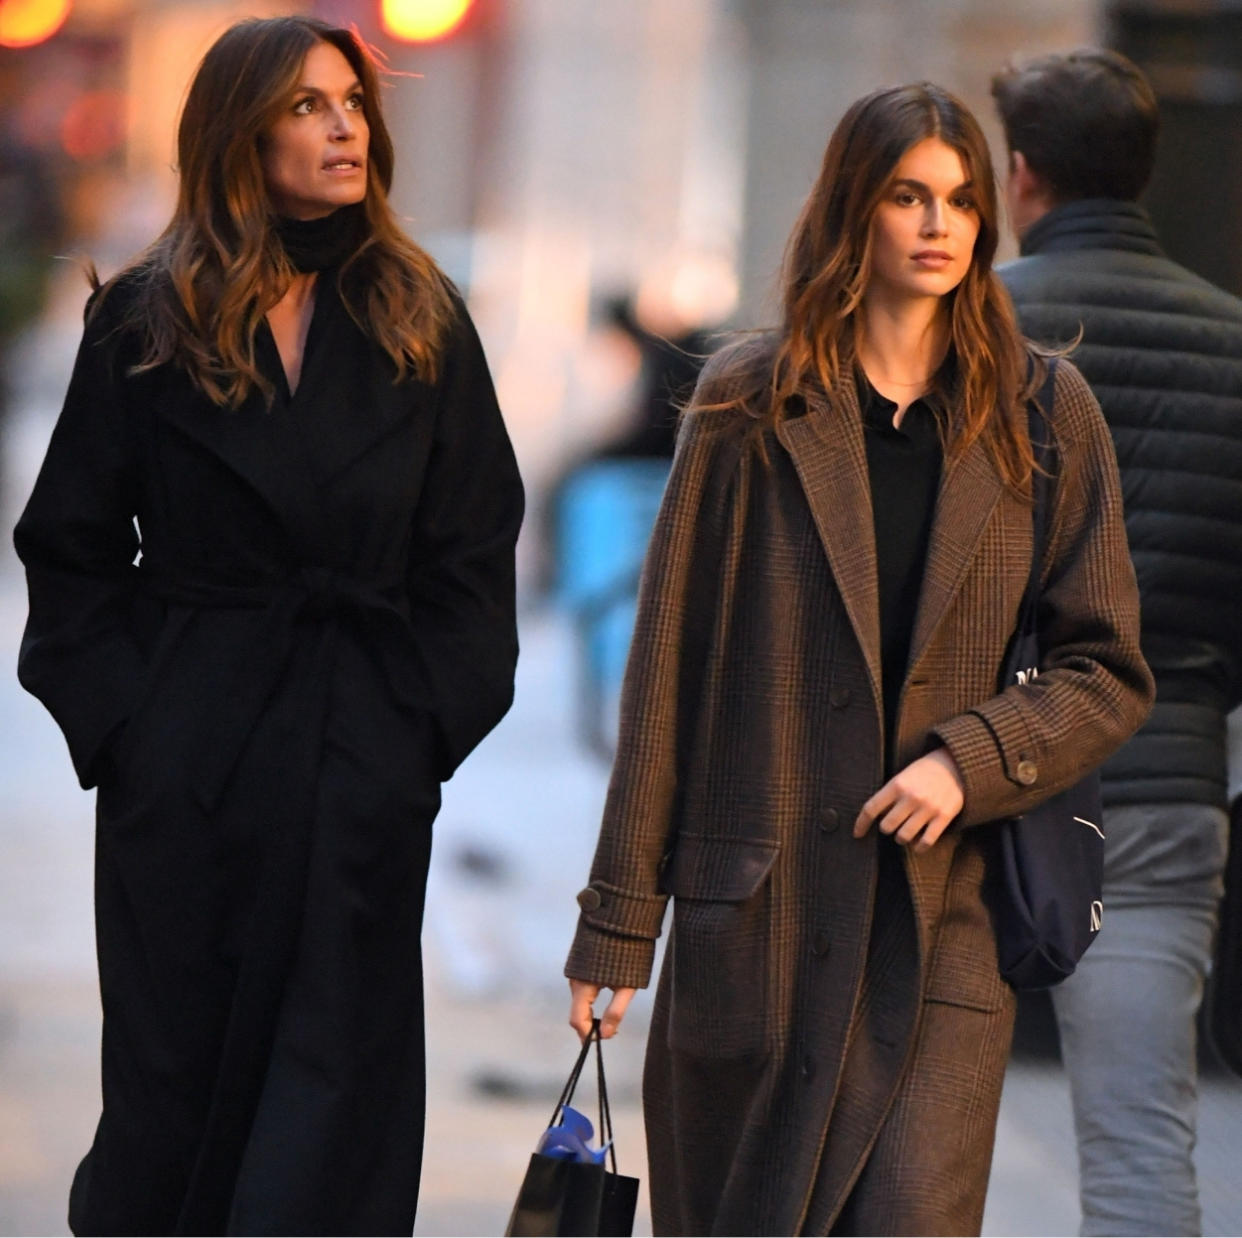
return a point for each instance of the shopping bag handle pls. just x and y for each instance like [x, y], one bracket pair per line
[567, 1092]
[605, 1113]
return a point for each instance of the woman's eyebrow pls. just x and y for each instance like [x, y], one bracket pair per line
[323, 94]
[911, 183]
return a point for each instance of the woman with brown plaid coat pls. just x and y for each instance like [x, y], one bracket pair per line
[812, 744]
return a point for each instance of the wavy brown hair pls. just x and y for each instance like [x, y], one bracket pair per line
[204, 286]
[828, 265]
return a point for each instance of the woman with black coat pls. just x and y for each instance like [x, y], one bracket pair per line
[270, 562]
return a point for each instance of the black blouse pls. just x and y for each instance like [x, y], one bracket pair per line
[903, 466]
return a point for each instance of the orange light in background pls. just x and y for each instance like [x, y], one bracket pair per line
[23, 23]
[422, 21]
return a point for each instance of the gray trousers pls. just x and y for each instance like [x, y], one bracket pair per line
[1127, 1019]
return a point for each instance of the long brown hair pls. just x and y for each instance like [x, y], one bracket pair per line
[208, 280]
[828, 265]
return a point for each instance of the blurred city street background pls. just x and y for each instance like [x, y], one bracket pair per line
[598, 177]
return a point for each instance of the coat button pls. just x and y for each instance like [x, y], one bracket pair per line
[839, 698]
[589, 899]
[808, 1068]
[830, 820]
[822, 943]
[1028, 772]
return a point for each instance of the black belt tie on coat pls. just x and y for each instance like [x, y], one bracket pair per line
[319, 601]
[311, 593]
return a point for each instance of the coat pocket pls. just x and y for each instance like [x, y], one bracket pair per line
[719, 951]
[964, 970]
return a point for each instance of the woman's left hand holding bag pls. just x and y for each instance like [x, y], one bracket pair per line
[917, 804]
[582, 995]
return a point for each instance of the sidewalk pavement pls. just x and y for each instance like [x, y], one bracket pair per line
[513, 845]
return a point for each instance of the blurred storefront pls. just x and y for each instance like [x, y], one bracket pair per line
[61, 130]
[1192, 52]
[98, 95]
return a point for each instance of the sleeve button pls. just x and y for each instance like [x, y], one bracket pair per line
[1028, 772]
[589, 899]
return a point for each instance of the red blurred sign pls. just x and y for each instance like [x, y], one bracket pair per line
[23, 23]
[94, 125]
[423, 21]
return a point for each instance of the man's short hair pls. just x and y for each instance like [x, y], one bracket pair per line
[1085, 121]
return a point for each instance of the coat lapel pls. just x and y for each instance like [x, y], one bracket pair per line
[249, 444]
[346, 400]
[828, 452]
[348, 388]
[969, 492]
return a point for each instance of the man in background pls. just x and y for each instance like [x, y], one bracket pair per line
[1162, 350]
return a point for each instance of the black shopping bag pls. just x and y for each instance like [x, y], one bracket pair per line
[561, 1197]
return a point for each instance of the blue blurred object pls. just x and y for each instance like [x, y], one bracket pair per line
[567, 1141]
[604, 518]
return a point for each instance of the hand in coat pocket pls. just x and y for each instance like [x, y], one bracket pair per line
[917, 804]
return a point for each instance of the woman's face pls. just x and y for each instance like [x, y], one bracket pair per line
[315, 155]
[924, 228]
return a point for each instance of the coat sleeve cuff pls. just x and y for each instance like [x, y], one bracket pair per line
[628, 912]
[995, 758]
[89, 720]
[611, 960]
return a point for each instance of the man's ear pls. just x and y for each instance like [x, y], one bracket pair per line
[1027, 194]
[1025, 185]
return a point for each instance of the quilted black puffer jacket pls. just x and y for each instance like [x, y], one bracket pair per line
[1162, 349]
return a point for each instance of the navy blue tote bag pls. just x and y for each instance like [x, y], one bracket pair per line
[1047, 890]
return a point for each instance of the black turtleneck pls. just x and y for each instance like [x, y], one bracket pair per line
[316, 244]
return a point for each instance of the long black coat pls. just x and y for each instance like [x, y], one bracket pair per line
[320, 627]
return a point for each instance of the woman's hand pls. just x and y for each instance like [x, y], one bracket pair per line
[582, 997]
[917, 804]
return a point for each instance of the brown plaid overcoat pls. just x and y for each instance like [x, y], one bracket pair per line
[808, 1069]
